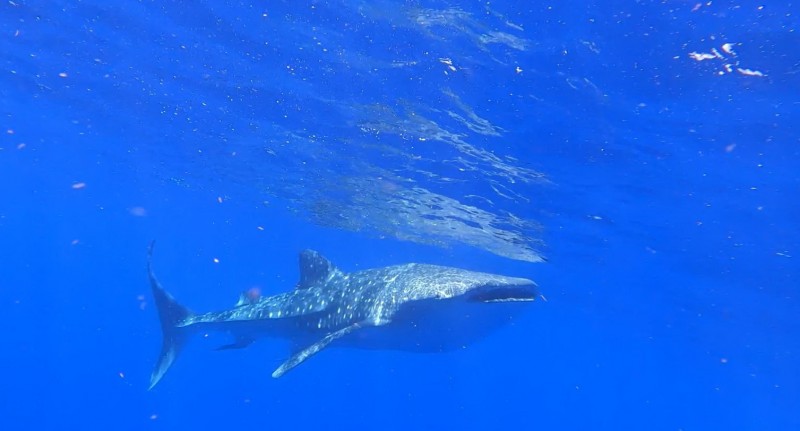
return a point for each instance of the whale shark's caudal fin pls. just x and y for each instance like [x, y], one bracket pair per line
[171, 314]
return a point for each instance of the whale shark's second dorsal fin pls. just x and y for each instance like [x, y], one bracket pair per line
[314, 268]
[249, 297]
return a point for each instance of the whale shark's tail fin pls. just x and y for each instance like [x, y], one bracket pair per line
[171, 314]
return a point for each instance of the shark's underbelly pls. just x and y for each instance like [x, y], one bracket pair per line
[428, 326]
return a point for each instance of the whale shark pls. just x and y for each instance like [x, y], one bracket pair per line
[412, 307]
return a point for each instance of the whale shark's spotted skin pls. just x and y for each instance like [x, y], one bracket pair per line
[328, 304]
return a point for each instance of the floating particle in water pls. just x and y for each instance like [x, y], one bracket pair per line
[138, 211]
[750, 72]
[449, 63]
[730, 59]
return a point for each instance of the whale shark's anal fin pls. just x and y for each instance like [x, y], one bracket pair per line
[240, 343]
[303, 354]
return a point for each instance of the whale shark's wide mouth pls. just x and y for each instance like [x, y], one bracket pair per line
[504, 294]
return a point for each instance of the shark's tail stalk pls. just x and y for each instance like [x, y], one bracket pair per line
[171, 314]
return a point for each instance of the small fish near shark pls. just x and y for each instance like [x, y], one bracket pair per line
[413, 307]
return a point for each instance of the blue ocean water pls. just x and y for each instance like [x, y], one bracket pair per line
[638, 160]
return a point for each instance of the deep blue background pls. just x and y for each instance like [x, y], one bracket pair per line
[671, 219]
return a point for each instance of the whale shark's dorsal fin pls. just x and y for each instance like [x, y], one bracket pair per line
[314, 268]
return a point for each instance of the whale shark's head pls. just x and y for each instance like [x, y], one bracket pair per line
[440, 308]
[415, 282]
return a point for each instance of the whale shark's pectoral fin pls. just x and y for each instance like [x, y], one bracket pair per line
[311, 350]
[240, 343]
